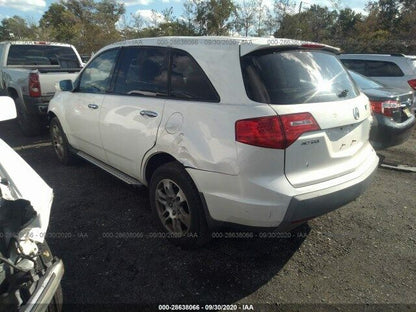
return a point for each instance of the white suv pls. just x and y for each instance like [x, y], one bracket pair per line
[257, 132]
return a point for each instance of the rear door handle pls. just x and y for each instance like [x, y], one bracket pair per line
[93, 106]
[148, 113]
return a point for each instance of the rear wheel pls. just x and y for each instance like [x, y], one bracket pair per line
[29, 124]
[60, 143]
[176, 203]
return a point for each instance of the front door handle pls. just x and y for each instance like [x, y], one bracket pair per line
[148, 113]
[93, 106]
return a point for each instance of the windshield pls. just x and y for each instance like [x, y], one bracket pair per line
[364, 82]
[295, 77]
[42, 55]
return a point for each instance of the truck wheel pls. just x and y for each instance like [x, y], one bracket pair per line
[176, 203]
[60, 143]
[29, 124]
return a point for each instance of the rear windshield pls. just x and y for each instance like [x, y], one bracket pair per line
[364, 82]
[295, 77]
[42, 55]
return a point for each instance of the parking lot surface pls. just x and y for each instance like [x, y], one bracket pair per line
[363, 253]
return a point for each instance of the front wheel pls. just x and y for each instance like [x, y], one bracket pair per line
[176, 203]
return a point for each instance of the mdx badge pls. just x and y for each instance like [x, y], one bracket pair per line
[356, 113]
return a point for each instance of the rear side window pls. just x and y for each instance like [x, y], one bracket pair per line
[42, 55]
[374, 68]
[383, 69]
[295, 77]
[188, 81]
[143, 71]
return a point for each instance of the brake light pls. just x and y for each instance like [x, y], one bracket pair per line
[412, 83]
[312, 46]
[34, 85]
[277, 132]
[386, 108]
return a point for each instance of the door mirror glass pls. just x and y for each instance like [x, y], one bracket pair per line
[66, 85]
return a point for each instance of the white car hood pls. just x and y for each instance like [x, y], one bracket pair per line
[25, 183]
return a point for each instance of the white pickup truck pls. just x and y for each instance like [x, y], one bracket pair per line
[28, 73]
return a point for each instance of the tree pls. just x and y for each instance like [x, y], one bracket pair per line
[211, 17]
[59, 24]
[16, 28]
[245, 17]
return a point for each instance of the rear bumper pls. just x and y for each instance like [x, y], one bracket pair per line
[306, 207]
[37, 105]
[386, 133]
[275, 203]
[46, 289]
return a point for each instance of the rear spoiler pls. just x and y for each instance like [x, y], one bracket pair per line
[256, 44]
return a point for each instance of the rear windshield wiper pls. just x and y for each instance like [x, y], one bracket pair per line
[343, 93]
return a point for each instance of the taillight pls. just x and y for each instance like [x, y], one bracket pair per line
[34, 85]
[386, 108]
[297, 124]
[277, 132]
[412, 83]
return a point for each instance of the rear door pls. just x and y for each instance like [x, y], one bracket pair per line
[132, 113]
[324, 117]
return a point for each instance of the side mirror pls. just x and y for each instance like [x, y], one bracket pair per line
[7, 108]
[66, 85]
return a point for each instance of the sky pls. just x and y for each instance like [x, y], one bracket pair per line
[32, 10]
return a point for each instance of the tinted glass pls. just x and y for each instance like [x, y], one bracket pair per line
[188, 81]
[355, 65]
[383, 69]
[42, 55]
[295, 77]
[143, 71]
[364, 82]
[97, 75]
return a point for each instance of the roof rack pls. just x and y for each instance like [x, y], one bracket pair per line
[397, 54]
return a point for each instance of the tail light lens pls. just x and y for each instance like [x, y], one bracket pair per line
[277, 132]
[34, 85]
[412, 83]
[386, 108]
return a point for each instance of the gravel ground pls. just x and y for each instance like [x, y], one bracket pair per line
[360, 257]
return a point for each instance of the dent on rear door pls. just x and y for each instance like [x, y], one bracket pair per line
[200, 136]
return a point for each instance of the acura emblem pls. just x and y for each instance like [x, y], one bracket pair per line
[356, 113]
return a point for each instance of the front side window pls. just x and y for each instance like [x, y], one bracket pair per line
[97, 75]
[143, 71]
[188, 81]
[295, 77]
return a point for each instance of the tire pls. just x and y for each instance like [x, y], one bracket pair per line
[176, 204]
[29, 124]
[60, 143]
